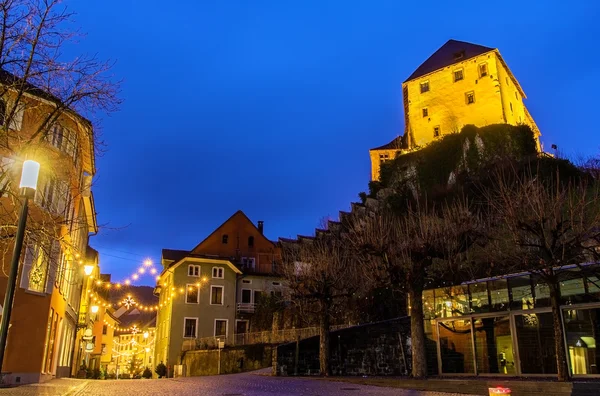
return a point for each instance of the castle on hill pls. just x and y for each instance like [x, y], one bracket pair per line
[460, 84]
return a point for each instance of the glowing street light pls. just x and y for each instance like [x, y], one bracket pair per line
[95, 308]
[27, 186]
[146, 335]
[88, 269]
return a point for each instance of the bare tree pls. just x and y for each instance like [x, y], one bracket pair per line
[320, 273]
[401, 249]
[552, 220]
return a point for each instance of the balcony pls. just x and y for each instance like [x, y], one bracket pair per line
[245, 307]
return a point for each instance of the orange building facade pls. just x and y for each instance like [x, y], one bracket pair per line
[45, 312]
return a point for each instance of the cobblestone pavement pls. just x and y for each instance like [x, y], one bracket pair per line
[247, 384]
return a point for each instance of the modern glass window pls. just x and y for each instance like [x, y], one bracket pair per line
[431, 346]
[479, 297]
[458, 75]
[499, 295]
[572, 287]
[429, 305]
[220, 328]
[456, 347]
[582, 327]
[216, 295]
[522, 294]
[542, 292]
[493, 344]
[452, 301]
[425, 86]
[192, 294]
[190, 327]
[217, 272]
[535, 336]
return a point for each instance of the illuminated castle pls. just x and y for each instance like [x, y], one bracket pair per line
[460, 84]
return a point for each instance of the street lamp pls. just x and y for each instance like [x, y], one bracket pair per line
[95, 309]
[27, 186]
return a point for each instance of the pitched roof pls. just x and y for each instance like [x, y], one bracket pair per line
[173, 254]
[395, 144]
[453, 51]
[239, 212]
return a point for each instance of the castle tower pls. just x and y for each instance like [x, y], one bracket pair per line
[460, 84]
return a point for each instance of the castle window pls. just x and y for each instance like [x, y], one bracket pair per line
[458, 75]
[516, 97]
[224, 239]
[470, 97]
[425, 112]
[436, 131]
[511, 109]
[425, 86]
[250, 241]
[483, 70]
[507, 83]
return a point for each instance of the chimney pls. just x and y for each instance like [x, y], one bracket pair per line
[261, 226]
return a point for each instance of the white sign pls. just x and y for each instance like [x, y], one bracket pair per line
[221, 344]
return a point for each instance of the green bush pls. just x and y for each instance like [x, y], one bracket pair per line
[147, 373]
[161, 370]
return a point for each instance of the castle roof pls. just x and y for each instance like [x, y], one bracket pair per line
[395, 144]
[452, 52]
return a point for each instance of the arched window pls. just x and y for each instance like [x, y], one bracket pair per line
[2, 112]
[250, 241]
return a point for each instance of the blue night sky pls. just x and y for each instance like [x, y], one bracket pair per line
[271, 106]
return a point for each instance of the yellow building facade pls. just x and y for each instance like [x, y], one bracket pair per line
[460, 84]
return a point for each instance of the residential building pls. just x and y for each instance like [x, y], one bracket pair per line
[45, 311]
[209, 293]
[460, 84]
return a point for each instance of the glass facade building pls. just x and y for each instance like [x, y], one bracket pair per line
[503, 326]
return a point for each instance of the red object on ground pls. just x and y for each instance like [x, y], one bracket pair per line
[499, 390]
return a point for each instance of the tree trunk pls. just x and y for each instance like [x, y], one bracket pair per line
[417, 328]
[559, 336]
[324, 340]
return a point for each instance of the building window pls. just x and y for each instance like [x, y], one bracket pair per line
[220, 327]
[224, 239]
[217, 272]
[246, 296]
[191, 294]
[516, 97]
[190, 327]
[458, 75]
[247, 281]
[425, 112]
[193, 270]
[250, 241]
[436, 131]
[459, 55]
[507, 83]
[425, 86]
[276, 283]
[248, 262]
[511, 109]
[483, 70]
[216, 295]
[470, 97]
[104, 329]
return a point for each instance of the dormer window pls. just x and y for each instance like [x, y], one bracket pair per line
[425, 86]
[250, 241]
[459, 55]
[224, 239]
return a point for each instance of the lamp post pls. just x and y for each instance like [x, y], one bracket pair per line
[27, 186]
[146, 350]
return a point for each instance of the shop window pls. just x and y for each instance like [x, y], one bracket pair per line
[498, 295]
[582, 330]
[493, 344]
[428, 305]
[479, 297]
[535, 335]
[572, 288]
[521, 293]
[452, 301]
[456, 346]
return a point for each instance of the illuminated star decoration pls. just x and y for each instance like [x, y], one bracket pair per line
[135, 330]
[129, 302]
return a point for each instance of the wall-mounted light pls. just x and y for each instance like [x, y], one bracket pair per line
[88, 269]
[95, 308]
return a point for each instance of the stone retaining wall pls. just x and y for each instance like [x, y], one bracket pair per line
[233, 360]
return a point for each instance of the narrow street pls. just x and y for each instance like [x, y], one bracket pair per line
[246, 384]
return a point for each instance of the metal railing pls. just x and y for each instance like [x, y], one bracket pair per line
[246, 307]
[261, 337]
